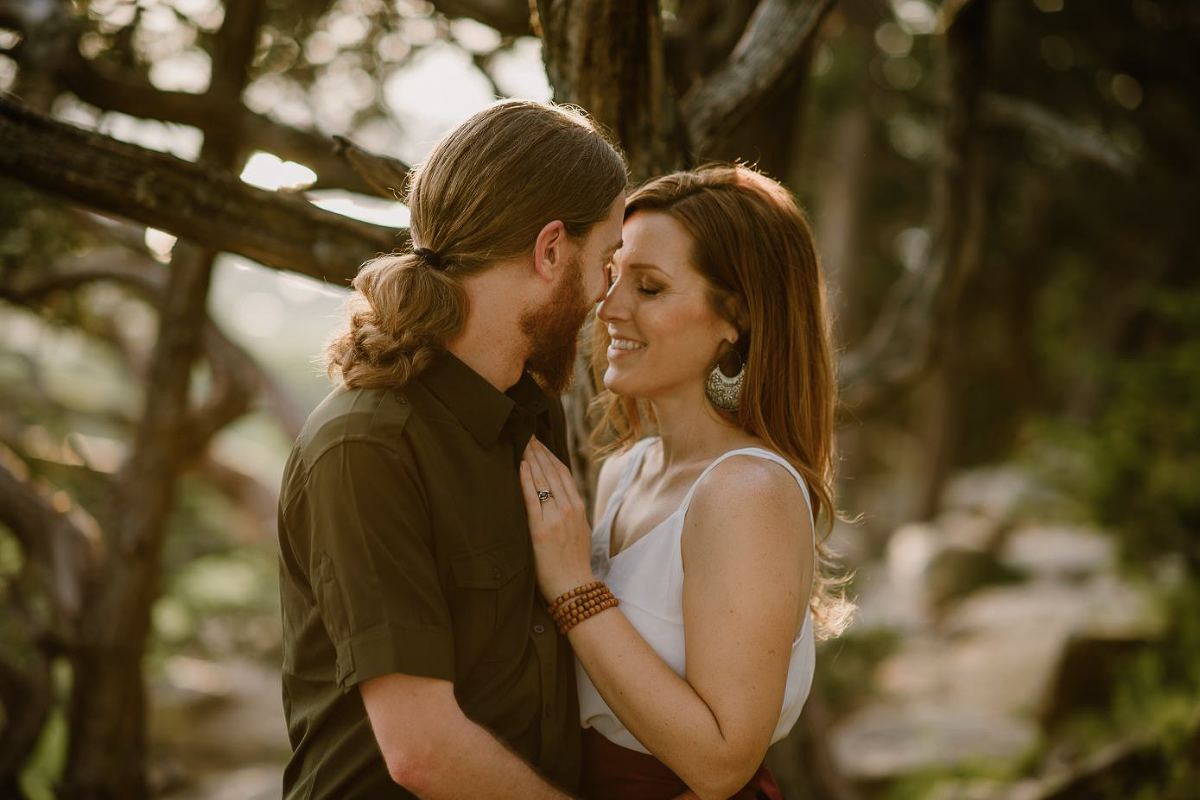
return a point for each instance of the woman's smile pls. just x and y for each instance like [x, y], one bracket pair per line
[621, 348]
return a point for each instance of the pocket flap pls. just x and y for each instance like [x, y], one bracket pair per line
[491, 568]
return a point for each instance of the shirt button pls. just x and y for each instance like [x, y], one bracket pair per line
[539, 628]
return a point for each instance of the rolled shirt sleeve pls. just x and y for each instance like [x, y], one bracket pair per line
[371, 564]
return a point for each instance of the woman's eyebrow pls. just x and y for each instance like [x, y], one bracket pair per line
[643, 266]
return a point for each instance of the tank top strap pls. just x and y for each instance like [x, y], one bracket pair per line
[760, 453]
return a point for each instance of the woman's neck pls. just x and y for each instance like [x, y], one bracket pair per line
[692, 431]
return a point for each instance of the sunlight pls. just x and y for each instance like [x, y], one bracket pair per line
[267, 171]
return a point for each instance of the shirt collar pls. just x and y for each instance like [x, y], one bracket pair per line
[478, 405]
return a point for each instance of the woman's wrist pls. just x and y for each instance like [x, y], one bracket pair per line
[581, 603]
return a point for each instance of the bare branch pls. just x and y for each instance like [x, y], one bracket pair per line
[237, 377]
[1069, 136]
[385, 175]
[773, 43]
[51, 56]
[509, 17]
[26, 693]
[193, 201]
[61, 551]
[140, 99]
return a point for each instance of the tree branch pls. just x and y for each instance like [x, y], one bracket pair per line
[107, 745]
[59, 551]
[1069, 136]
[773, 43]
[203, 204]
[509, 17]
[910, 331]
[51, 55]
[237, 377]
[386, 176]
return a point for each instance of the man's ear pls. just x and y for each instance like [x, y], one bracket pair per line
[549, 249]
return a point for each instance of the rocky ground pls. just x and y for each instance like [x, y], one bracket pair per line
[1004, 625]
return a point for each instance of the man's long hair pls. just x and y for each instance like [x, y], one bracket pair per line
[483, 195]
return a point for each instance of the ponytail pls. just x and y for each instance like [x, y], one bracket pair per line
[401, 314]
[483, 195]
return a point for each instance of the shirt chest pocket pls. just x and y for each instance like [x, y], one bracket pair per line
[492, 601]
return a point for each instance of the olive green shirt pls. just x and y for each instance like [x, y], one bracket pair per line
[404, 548]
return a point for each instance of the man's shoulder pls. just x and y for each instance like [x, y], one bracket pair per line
[349, 414]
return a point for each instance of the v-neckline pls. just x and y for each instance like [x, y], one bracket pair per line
[620, 500]
[621, 503]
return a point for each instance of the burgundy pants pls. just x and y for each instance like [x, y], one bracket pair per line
[612, 772]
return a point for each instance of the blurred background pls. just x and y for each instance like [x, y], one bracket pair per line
[1004, 195]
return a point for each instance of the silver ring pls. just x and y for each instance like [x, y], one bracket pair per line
[544, 495]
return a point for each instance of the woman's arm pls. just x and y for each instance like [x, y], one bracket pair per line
[747, 546]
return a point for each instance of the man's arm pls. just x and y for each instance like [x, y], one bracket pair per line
[446, 756]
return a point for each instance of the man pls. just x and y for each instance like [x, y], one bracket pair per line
[418, 659]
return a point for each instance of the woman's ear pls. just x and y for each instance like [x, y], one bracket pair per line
[549, 249]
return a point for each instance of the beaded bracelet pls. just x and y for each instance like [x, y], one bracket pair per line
[578, 590]
[600, 592]
[578, 615]
[581, 602]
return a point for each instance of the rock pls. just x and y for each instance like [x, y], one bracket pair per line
[969, 529]
[986, 789]
[886, 741]
[993, 672]
[996, 492]
[198, 703]
[910, 549]
[1059, 551]
[251, 782]
[1103, 603]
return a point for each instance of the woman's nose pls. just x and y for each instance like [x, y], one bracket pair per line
[611, 307]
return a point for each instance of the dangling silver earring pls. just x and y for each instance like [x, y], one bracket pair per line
[723, 391]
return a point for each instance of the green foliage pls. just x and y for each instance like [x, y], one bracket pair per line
[1137, 456]
[45, 766]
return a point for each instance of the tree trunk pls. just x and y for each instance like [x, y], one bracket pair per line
[107, 753]
[608, 56]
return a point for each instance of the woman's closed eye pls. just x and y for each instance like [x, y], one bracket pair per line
[648, 289]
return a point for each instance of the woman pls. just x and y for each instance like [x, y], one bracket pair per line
[714, 333]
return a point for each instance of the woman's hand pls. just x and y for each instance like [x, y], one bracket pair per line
[562, 538]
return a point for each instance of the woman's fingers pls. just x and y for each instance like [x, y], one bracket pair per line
[562, 483]
[529, 493]
[564, 488]
[541, 482]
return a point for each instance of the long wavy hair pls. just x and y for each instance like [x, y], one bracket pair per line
[754, 247]
[485, 192]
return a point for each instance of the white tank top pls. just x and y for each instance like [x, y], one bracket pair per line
[647, 577]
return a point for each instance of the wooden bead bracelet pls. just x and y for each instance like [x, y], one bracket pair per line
[582, 602]
[578, 590]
